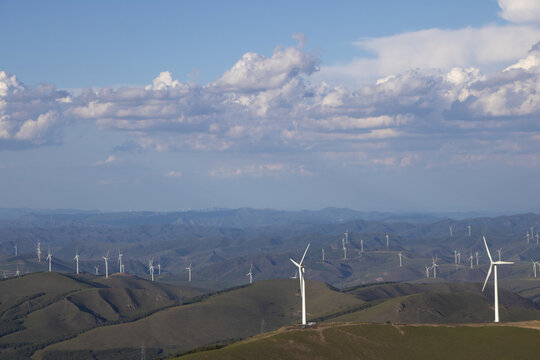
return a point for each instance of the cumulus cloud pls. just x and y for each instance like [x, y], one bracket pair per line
[520, 11]
[109, 160]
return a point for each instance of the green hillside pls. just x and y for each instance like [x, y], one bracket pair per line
[233, 314]
[384, 341]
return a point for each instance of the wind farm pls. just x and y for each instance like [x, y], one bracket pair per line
[261, 180]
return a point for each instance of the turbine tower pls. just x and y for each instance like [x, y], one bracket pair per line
[427, 271]
[159, 267]
[344, 248]
[387, 239]
[469, 228]
[77, 260]
[455, 257]
[471, 259]
[250, 274]
[17, 273]
[528, 238]
[361, 246]
[301, 271]
[97, 269]
[106, 258]
[459, 257]
[322, 254]
[499, 252]
[39, 251]
[476, 258]
[189, 272]
[151, 268]
[534, 266]
[16, 250]
[536, 238]
[400, 256]
[451, 230]
[49, 259]
[493, 265]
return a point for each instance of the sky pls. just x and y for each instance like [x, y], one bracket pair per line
[419, 105]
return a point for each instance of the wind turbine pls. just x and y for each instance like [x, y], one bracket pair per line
[97, 269]
[344, 249]
[493, 265]
[434, 267]
[427, 271]
[49, 258]
[469, 227]
[459, 257]
[301, 271]
[361, 246]
[451, 232]
[499, 252]
[159, 267]
[106, 258]
[536, 238]
[189, 271]
[250, 274]
[528, 237]
[476, 258]
[120, 260]
[534, 266]
[77, 260]
[322, 254]
[16, 250]
[17, 273]
[400, 256]
[387, 239]
[471, 258]
[455, 257]
[39, 251]
[151, 268]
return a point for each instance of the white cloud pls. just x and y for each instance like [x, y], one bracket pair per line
[174, 174]
[260, 170]
[520, 11]
[109, 160]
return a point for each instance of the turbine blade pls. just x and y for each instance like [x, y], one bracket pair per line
[294, 262]
[487, 277]
[503, 262]
[305, 252]
[487, 249]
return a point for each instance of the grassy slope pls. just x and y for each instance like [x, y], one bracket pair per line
[369, 341]
[235, 314]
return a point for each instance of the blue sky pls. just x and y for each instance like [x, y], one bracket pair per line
[167, 105]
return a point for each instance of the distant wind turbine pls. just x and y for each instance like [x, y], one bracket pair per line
[39, 251]
[49, 258]
[387, 239]
[469, 227]
[493, 265]
[77, 259]
[120, 261]
[16, 250]
[151, 268]
[537, 238]
[106, 258]
[534, 263]
[250, 274]
[451, 230]
[427, 271]
[301, 271]
[499, 252]
[344, 248]
[528, 237]
[459, 257]
[17, 273]
[434, 267]
[159, 267]
[322, 254]
[400, 256]
[471, 258]
[361, 246]
[97, 269]
[189, 272]
[455, 257]
[476, 258]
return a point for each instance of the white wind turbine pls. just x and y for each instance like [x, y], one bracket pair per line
[455, 257]
[17, 273]
[537, 238]
[16, 250]
[427, 271]
[151, 268]
[434, 267]
[528, 237]
[476, 258]
[97, 269]
[493, 265]
[387, 239]
[322, 254]
[400, 256]
[39, 251]
[534, 266]
[120, 266]
[361, 246]
[189, 272]
[77, 259]
[459, 257]
[344, 248]
[469, 228]
[250, 274]
[106, 258]
[159, 267]
[499, 252]
[451, 230]
[301, 271]
[49, 259]
[471, 259]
